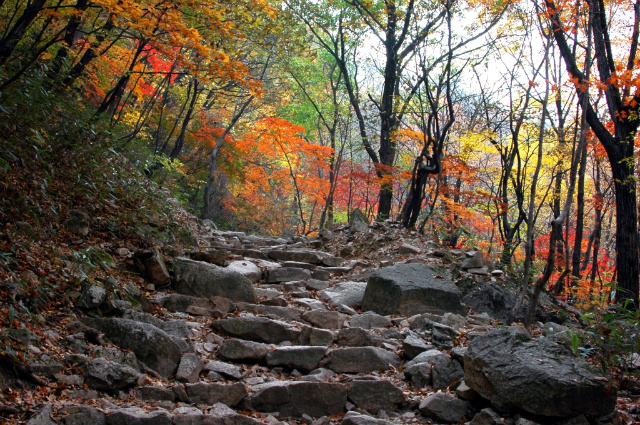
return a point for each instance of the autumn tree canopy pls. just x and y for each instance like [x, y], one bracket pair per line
[505, 127]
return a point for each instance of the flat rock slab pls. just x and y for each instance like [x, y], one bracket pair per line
[300, 357]
[180, 302]
[105, 375]
[288, 274]
[291, 398]
[410, 289]
[287, 313]
[347, 293]
[360, 359]
[373, 396]
[81, 415]
[239, 350]
[246, 268]
[151, 345]
[138, 416]
[537, 376]
[212, 393]
[444, 408]
[200, 279]
[257, 328]
[370, 320]
[325, 319]
[355, 418]
[305, 256]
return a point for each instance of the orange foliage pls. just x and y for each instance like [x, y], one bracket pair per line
[283, 177]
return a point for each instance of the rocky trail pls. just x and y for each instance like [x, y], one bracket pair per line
[362, 325]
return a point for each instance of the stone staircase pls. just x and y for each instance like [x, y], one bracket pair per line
[256, 330]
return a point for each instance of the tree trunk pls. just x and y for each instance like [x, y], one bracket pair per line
[9, 42]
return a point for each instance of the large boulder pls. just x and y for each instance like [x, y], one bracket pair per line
[200, 279]
[315, 399]
[537, 376]
[410, 289]
[151, 345]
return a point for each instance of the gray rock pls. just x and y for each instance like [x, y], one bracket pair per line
[298, 255]
[354, 337]
[81, 415]
[247, 269]
[154, 393]
[358, 221]
[189, 368]
[454, 321]
[315, 336]
[410, 289]
[202, 279]
[92, 296]
[316, 285]
[347, 293]
[42, 417]
[486, 416]
[487, 297]
[443, 370]
[444, 407]
[214, 256]
[414, 344]
[257, 328]
[465, 393]
[373, 396]
[138, 416]
[187, 415]
[151, 265]
[182, 303]
[369, 320]
[152, 346]
[304, 358]
[442, 336]
[212, 393]
[419, 375]
[284, 312]
[291, 398]
[177, 330]
[355, 418]
[476, 261]
[538, 376]
[288, 274]
[239, 350]
[105, 375]
[406, 248]
[430, 356]
[325, 319]
[360, 359]
[445, 373]
[221, 414]
[226, 369]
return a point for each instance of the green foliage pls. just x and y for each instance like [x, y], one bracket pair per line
[612, 336]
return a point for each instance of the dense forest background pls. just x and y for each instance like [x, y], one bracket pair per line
[509, 126]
